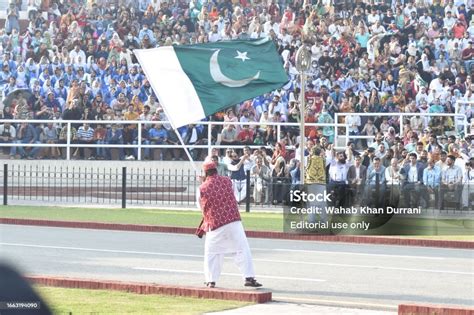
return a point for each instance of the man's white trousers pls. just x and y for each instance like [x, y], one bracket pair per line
[228, 239]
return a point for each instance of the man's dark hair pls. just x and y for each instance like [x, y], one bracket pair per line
[211, 172]
[413, 154]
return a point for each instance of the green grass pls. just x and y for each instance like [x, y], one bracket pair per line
[80, 301]
[256, 221]
[252, 221]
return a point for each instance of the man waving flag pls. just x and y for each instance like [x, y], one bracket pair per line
[195, 81]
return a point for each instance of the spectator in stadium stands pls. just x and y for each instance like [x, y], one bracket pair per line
[394, 182]
[412, 173]
[85, 135]
[338, 176]
[280, 181]
[100, 134]
[357, 176]
[375, 184]
[8, 135]
[229, 135]
[431, 182]
[451, 181]
[12, 18]
[261, 175]
[238, 176]
[468, 185]
[114, 136]
[246, 135]
[50, 136]
[157, 136]
[27, 135]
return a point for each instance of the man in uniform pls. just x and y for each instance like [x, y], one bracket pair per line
[224, 231]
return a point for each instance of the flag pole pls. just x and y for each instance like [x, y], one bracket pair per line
[193, 164]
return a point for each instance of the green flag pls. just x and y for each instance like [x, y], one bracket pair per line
[195, 81]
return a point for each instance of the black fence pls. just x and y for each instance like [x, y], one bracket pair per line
[98, 185]
[129, 186]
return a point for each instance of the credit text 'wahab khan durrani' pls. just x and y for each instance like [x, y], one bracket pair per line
[369, 210]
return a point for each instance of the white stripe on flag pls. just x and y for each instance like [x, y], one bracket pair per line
[172, 86]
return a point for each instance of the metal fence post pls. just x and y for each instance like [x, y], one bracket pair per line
[5, 184]
[124, 187]
[247, 188]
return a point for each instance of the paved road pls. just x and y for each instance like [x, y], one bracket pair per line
[366, 276]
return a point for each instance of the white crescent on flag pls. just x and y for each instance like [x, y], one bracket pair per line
[219, 77]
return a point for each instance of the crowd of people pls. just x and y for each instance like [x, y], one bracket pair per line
[76, 58]
[425, 174]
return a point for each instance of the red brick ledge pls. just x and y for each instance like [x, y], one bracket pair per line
[381, 240]
[254, 296]
[413, 309]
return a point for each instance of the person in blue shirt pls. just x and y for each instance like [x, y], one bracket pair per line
[114, 136]
[431, 182]
[436, 107]
[157, 135]
[145, 31]
[337, 95]
[27, 135]
[375, 180]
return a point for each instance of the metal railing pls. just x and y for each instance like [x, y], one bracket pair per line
[98, 185]
[139, 145]
[134, 186]
[140, 124]
[401, 115]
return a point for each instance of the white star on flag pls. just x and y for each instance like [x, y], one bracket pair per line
[242, 56]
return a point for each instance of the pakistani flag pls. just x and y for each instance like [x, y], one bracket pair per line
[196, 81]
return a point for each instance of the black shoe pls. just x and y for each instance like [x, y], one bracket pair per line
[251, 282]
[210, 284]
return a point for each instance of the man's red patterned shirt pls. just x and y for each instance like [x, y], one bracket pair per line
[218, 203]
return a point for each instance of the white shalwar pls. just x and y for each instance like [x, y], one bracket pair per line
[227, 239]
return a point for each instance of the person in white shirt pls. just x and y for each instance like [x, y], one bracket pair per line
[338, 180]
[377, 28]
[449, 21]
[409, 9]
[373, 17]
[451, 8]
[285, 37]
[394, 181]
[271, 25]
[468, 185]
[451, 181]
[77, 55]
[425, 19]
[421, 96]
[321, 81]
[354, 122]
[214, 35]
